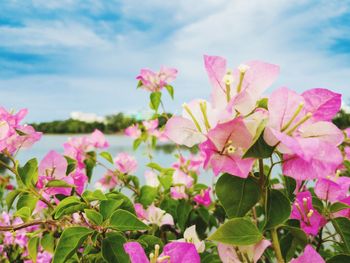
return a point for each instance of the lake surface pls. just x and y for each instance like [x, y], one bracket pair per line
[118, 143]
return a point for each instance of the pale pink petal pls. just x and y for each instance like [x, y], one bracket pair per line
[259, 249]
[328, 190]
[323, 130]
[183, 131]
[216, 70]
[227, 254]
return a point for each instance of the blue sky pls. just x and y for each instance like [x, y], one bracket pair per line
[59, 56]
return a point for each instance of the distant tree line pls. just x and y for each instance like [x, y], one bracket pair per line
[342, 120]
[114, 123]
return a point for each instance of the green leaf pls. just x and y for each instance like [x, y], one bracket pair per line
[93, 195]
[113, 250]
[260, 149]
[67, 206]
[48, 242]
[94, 216]
[11, 197]
[148, 242]
[136, 144]
[33, 245]
[126, 205]
[148, 194]
[166, 180]
[71, 164]
[237, 195]
[342, 226]
[27, 200]
[107, 207]
[183, 211]
[155, 166]
[124, 221]
[59, 183]
[70, 240]
[278, 209]
[342, 258]
[90, 164]
[170, 90]
[237, 231]
[338, 206]
[29, 173]
[155, 98]
[107, 156]
[139, 84]
[23, 213]
[298, 234]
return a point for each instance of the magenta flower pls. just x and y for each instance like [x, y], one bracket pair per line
[228, 254]
[203, 198]
[309, 256]
[125, 163]
[239, 88]
[133, 131]
[179, 252]
[225, 147]
[155, 81]
[310, 219]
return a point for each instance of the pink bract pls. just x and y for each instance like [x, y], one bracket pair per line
[225, 147]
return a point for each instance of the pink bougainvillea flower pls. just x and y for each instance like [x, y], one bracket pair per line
[53, 167]
[332, 188]
[98, 140]
[322, 103]
[240, 88]
[225, 147]
[154, 215]
[190, 236]
[77, 147]
[155, 81]
[107, 182]
[13, 135]
[151, 178]
[179, 252]
[310, 219]
[80, 179]
[125, 163]
[133, 131]
[181, 178]
[178, 192]
[192, 164]
[306, 144]
[228, 254]
[198, 117]
[140, 211]
[309, 256]
[203, 198]
[150, 125]
[344, 212]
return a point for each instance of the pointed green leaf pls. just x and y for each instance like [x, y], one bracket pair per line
[70, 240]
[237, 195]
[123, 220]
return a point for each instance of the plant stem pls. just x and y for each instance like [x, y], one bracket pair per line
[24, 225]
[276, 245]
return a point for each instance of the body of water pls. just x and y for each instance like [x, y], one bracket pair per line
[118, 143]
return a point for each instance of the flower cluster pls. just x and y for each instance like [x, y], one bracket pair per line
[252, 212]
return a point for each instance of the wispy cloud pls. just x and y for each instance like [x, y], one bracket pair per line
[63, 56]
